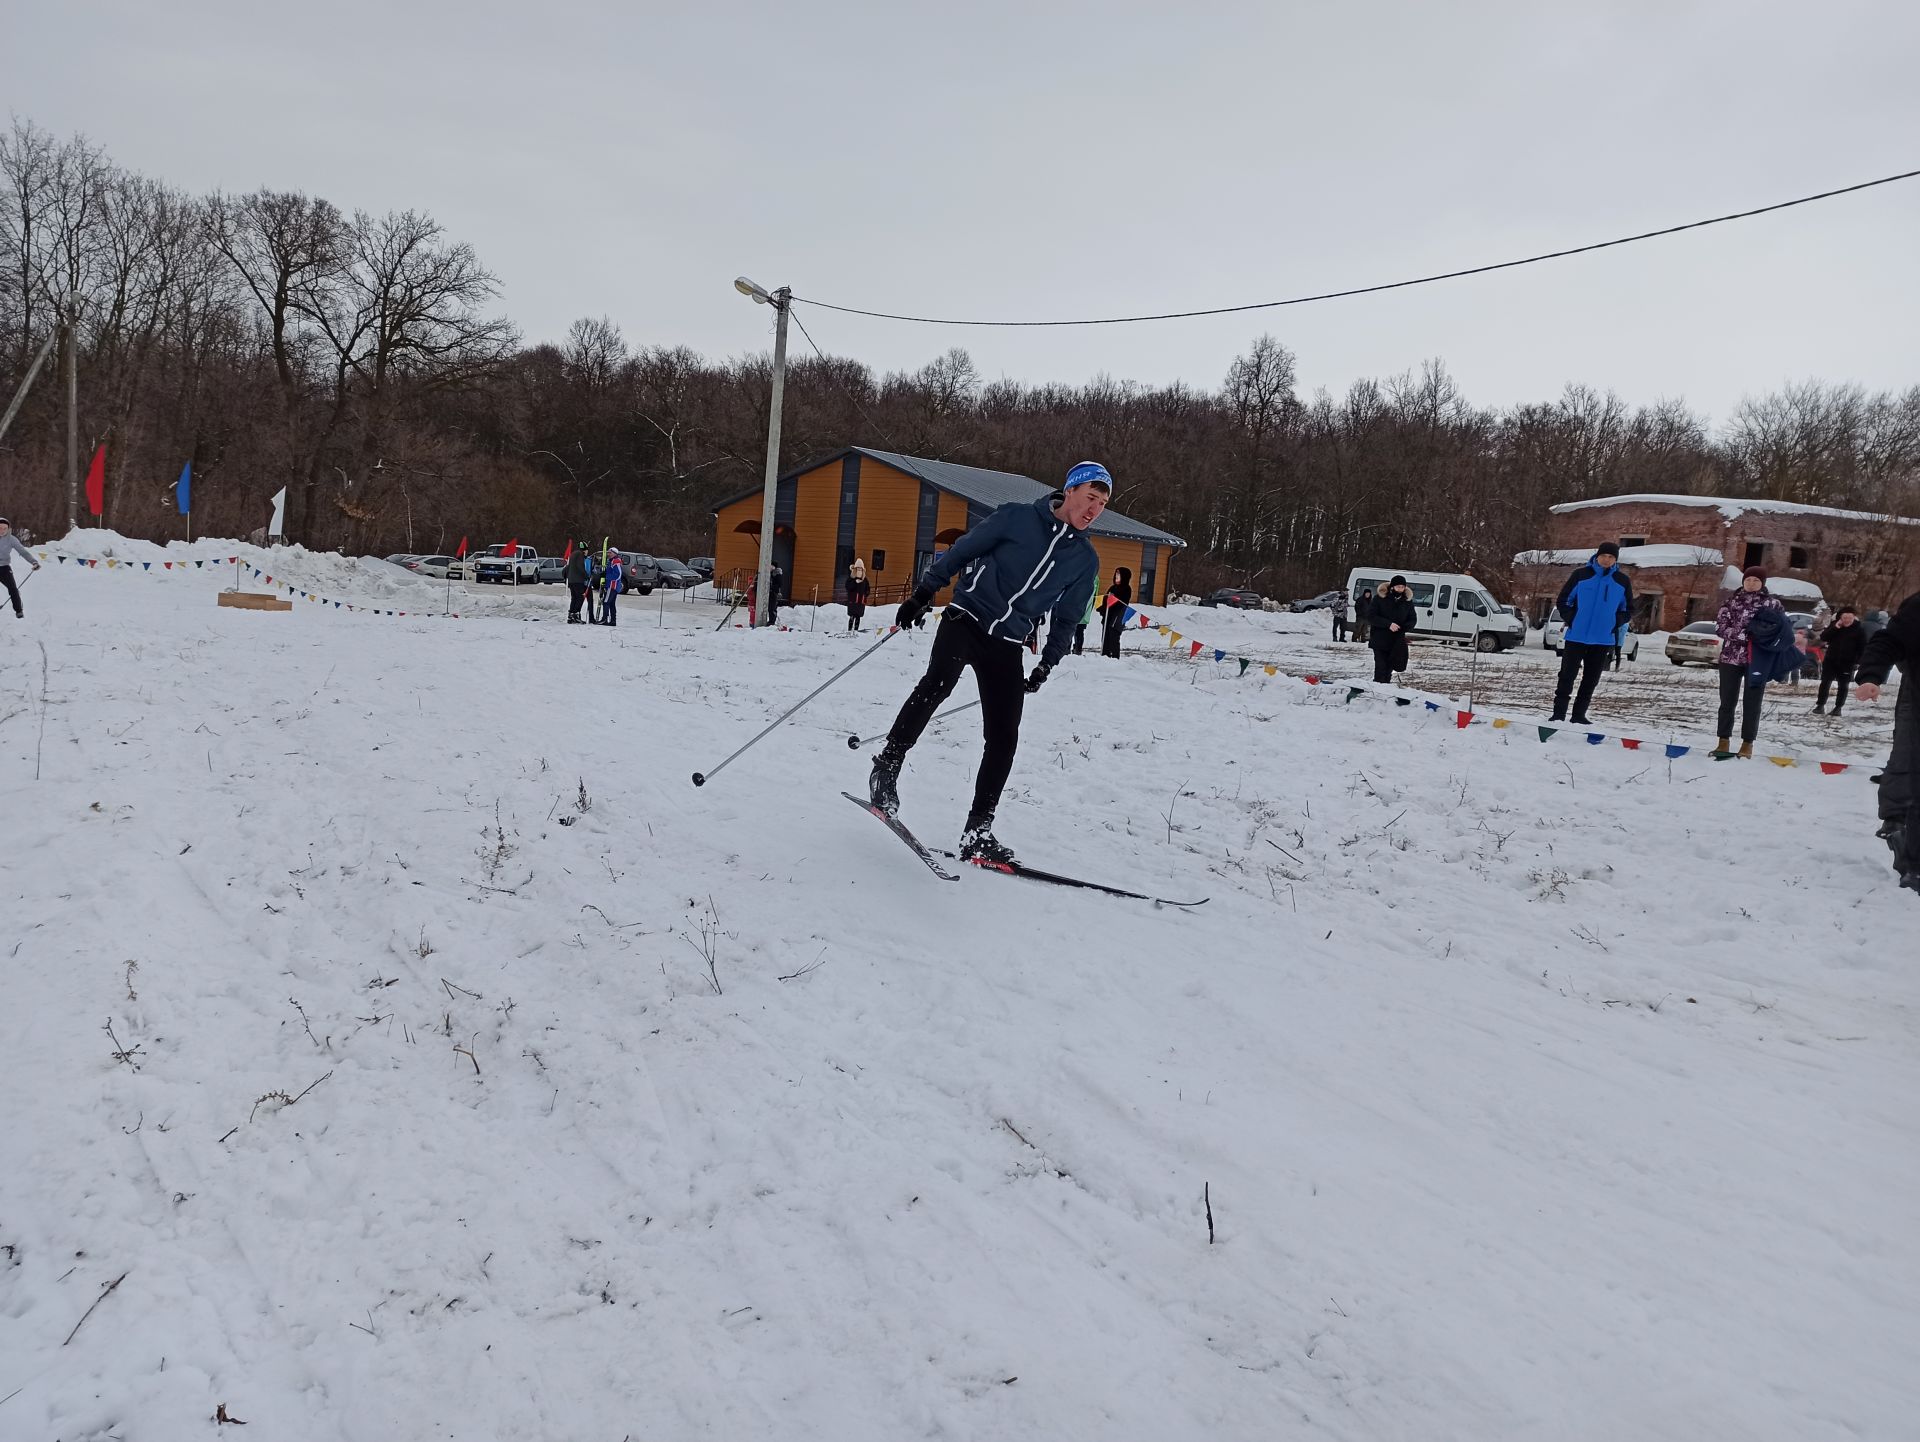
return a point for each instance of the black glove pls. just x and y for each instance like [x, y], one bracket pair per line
[913, 608]
[1037, 677]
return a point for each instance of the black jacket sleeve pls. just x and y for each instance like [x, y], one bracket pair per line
[1625, 614]
[1895, 644]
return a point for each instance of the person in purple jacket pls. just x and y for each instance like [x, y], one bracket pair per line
[1736, 653]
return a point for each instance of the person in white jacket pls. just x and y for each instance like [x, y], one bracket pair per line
[9, 544]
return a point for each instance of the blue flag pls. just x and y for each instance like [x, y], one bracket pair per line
[183, 489]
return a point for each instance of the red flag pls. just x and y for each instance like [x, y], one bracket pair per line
[1463, 719]
[97, 482]
[1629, 743]
[567, 555]
[1831, 768]
[461, 553]
[513, 549]
[1195, 651]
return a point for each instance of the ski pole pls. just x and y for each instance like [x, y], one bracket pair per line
[700, 778]
[854, 743]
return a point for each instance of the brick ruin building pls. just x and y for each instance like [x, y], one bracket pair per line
[1685, 552]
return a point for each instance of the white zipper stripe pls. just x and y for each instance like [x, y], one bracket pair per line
[1039, 571]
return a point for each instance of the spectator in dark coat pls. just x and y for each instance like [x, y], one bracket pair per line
[1362, 613]
[776, 593]
[1843, 641]
[1114, 619]
[1339, 609]
[858, 589]
[1392, 620]
[1898, 644]
[577, 583]
[1594, 603]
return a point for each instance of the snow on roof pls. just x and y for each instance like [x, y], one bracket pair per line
[1785, 587]
[1639, 557]
[1732, 509]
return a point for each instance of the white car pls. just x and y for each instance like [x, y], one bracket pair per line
[1556, 632]
[439, 567]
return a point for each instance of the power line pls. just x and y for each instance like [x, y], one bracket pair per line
[1372, 289]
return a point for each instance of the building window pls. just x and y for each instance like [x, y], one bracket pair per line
[1797, 558]
[1756, 554]
[879, 560]
[1696, 608]
[1633, 540]
[1847, 561]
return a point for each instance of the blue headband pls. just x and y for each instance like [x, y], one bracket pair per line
[1089, 473]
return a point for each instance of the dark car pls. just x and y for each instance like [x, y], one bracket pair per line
[676, 575]
[1323, 601]
[1239, 600]
[702, 566]
[639, 572]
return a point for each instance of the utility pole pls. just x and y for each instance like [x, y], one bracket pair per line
[779, 300]
[20, 395]
[73, 410]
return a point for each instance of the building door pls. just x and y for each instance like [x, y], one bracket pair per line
[1649, 607]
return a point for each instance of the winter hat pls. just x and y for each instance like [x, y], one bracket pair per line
[1608, 548]
[1089, 473]
[1398, 581]
[1759, 573]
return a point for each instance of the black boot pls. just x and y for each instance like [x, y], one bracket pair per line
[883, 782]
[979, 845]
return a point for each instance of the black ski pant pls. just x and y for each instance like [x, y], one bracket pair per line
[1734, 687]
[1112, 624]
[1079, 639]
[13, 591]
[1585, 660]
[1830, 675]
[578, 590]
[958, 644]
[855, 617]
[1382, 667]
[1339, 627]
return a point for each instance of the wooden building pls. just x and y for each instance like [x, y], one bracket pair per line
[897, 513]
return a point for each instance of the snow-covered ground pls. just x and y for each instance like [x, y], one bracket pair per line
[473, 1075]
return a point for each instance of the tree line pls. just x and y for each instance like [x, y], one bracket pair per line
[360, 360]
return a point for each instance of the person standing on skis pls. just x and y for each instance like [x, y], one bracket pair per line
[9, 548]
[1025, 562]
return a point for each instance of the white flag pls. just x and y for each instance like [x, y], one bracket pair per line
[278, 528]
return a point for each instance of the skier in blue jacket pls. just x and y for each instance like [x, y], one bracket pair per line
[1596, 602]
[1025, 562]
[616, 580]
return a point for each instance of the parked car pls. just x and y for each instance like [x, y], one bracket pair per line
[552, 570]
[676, 574]
[521, 568]
[703, 565]
[435, 566]
[1696, 641]
[1556, 633]
[1238, 600]
[1322, 602]
[639, 572]
[406, 561]
[1449, 605]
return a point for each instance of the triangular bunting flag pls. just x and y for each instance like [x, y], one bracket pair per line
[1244, 663]
[1193, 650]
[1501, 723]
[1352, 691]
[1674, 753]
[1629, 743]
[1162, 630]
[1433, 705]
[1311, 680]
[1126, 617]
[1721, 755]
[1546, 731]
[167, 565]
[1781, 760]
[1271, 670]
[1594, 738]
[1831, 768]
[1218, 654]
[146, 565]
[1462, 719]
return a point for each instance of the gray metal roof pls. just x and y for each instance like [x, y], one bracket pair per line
[985, 488]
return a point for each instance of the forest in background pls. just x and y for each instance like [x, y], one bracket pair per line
[363, 362]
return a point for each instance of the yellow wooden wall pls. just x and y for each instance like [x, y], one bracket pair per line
[816, 526]
[889, 514]
[733, 551]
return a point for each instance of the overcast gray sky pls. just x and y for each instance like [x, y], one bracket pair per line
[1038, 159]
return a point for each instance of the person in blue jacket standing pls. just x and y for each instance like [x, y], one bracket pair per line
[616, 574]
[1595, 603]
[1025, 562]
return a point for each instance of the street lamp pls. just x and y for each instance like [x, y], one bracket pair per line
[778, 300]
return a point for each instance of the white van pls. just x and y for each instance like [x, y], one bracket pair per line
[1448, 607]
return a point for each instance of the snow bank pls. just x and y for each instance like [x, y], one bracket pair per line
[1638, 557]
[1732, 509]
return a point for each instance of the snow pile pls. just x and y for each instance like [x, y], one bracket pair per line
[1637, 557]
[425, 1058]
[1785, 587]
[1732, 510]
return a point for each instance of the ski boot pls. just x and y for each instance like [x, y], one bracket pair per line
[979, 845]
[883, 782]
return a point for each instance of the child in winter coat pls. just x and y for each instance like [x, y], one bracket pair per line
[1733, 623]
[1843, 641]
[616, 578]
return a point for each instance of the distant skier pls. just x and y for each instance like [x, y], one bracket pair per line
[1391, 619]
[578, 579]
[9, 547]
[858, 589]
[1024, 562]
[616, 578]
[1595, 602]
[1898, 644]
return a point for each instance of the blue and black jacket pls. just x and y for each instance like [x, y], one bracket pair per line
[1019, 565]
[1595, 603]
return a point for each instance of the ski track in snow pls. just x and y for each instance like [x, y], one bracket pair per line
[1539, 1091]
